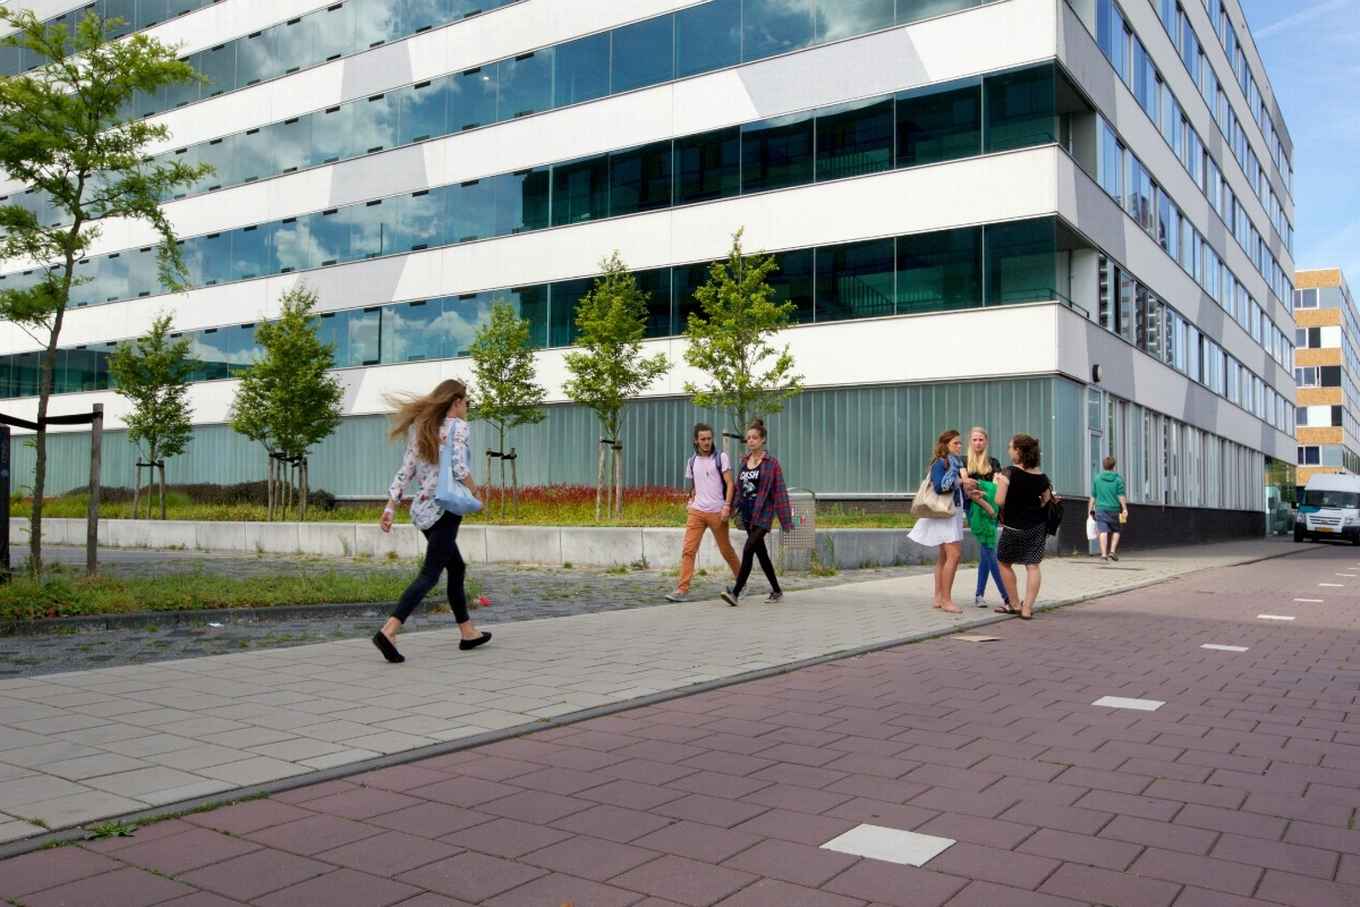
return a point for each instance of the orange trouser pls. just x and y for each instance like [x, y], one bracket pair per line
[694, 534]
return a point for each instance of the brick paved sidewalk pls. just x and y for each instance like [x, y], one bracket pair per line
[1240, 789]
[84, 746]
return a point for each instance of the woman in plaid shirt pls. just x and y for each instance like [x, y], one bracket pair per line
[763, 496]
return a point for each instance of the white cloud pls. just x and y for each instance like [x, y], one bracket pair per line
[1303, 17]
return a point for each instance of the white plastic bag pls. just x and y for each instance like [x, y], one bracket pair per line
[1092, 533]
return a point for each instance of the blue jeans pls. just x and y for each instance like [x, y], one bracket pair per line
[987, 566]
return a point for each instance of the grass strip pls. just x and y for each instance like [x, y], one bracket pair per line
[25, 599]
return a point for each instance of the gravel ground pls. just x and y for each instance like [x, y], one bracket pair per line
[516, 592]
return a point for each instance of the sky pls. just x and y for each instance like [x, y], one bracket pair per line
[1311, 50]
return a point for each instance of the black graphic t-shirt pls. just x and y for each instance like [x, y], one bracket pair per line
[750, 480]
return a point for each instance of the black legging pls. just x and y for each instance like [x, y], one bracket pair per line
[440, 554]
[755, 548]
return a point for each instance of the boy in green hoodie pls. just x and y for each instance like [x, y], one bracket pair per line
[1109, 507]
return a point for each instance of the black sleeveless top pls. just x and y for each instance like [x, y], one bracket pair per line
[1024, 508]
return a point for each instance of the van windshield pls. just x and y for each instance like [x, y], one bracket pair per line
[1318, 497]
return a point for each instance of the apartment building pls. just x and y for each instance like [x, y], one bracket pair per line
[1326, 370]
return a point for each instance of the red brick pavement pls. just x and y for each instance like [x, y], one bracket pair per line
[1242, 790]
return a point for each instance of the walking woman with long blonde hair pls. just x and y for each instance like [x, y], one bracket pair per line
[427, 423]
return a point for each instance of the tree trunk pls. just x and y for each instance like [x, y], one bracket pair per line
[136, 484]
[618, 481]
[514, 478]
[269, 492]
[500, 447]
[599, 481]
[161, 467]
[92, 508]
[306, 487]
[49, 362]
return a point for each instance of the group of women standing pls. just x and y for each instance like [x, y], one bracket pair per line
[1007, 512]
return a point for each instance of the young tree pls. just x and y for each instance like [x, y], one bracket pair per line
[153, 372]
[608, 369]
[61, 133]
[288, 400]
[729, 339]
[508, 394]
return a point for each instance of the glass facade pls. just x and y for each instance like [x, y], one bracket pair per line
[693, 41]
[789, 151]
[966, 267]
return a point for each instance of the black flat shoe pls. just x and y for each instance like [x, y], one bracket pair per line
[1006, 609]
[385, 646]
[466, 644]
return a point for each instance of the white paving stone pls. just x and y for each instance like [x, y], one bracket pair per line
[1121, 702]
[1274, 617]
[1217, 647]
[892, 845]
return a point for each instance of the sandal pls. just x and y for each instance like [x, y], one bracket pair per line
[1006, 609]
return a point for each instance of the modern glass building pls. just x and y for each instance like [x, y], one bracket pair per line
[1327, 371]
[1066, 217]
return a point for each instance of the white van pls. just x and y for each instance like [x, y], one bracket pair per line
[1330, 509]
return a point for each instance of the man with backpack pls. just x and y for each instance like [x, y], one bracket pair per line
[709, 472]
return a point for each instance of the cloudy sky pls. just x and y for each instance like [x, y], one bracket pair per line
[1311, 49]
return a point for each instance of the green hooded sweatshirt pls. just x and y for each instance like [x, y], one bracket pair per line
[1107, 488]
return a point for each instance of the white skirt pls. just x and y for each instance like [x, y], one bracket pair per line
[934, 531]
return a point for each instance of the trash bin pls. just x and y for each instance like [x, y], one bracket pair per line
[799, 541]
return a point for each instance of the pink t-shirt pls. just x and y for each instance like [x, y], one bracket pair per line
[710, 494]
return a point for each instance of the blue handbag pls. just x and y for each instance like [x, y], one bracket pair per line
[450, 493]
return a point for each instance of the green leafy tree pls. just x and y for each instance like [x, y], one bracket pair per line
[288, 400]
[153, 372]
[508, 394]
[730, 339]
[63, 135]
[608, 369]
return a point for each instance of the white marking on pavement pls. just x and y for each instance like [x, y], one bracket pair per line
[1333, 585]
[1311, 601]
[1219, 648]
[1119, 702]
[1348, 575]
[1274, 617]
[889, 844]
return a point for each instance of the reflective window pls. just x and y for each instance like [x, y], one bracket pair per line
[707, 37]
[777, 153]
[565, 295]
[685, 279]
[855, 139]
[1021, 261]
[643, 54]
[772, 27]
[940, 270]
[375, 124]
[581, 70]
[939, 123]
[422, 111]
[412, 331]
[472, 209]
[855, 280]
[656, 287]
[522, 201]
[640, 180]
[332, 134]
[415, 221]
[708, 166]
[252, 252]
[846, 18]
[1020, 109]
[912, 10]
[419, 15]
[526, 84]
[531, 304]
[472, 101]
[795, 282]
[580, 191]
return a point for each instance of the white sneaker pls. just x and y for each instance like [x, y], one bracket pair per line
[677, 596]
[979, 601]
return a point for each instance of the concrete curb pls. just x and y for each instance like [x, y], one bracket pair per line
[200, 804]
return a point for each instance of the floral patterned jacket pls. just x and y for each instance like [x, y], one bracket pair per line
[425, 510]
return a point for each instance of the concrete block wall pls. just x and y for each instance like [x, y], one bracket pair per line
[846, 549]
